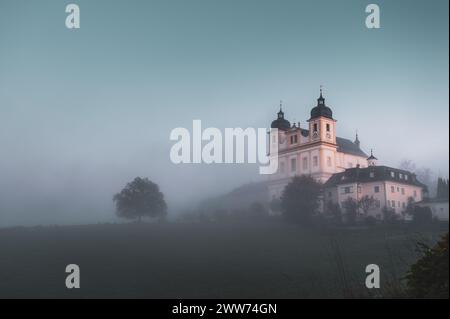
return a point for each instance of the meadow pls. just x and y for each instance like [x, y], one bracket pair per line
[210, 260]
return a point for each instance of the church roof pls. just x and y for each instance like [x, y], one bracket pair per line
[321, 109]
[373, 174]
[281, 123]
[349, 147]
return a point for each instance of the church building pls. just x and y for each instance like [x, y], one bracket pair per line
[338, 163]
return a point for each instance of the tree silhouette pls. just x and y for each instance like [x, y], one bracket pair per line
[351, 207]
[300, 199]
[367, 203]
[140, 198]
[428, 278]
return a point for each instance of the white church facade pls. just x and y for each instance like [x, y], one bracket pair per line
[339, 164]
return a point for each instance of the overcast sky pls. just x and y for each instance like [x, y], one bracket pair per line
[84, 111]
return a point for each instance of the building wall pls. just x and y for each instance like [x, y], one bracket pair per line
[397, 195]
[381, 191]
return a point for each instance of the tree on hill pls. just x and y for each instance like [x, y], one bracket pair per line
[140, 198]
[300, 199]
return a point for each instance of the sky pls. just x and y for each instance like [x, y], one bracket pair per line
[82, 112]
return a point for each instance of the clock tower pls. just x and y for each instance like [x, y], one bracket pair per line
[322, 126]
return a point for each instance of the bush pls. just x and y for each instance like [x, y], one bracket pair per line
[389, 216]
[428, 278]
[422, 215]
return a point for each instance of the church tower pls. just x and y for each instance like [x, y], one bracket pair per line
[322, 126]
[372, 160]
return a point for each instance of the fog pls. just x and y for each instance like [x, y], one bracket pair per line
[83, 112]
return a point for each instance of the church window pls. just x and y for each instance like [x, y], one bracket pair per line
[315, 161]
[328, 127]
[315, 127]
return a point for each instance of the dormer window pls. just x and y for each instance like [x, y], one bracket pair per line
[392, 174]
[372, 174]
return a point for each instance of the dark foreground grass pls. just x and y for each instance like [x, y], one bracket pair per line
[206, 261]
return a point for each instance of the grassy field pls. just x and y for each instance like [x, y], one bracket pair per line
[176, 260]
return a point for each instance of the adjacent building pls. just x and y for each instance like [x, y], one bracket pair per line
[439, 207]
[390, 188]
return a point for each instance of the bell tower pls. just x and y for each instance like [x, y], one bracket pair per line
[322, 126]
[372, 160]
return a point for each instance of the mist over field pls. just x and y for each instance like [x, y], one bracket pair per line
[83, 112]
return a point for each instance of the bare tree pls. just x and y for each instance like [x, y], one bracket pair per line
[367, 203]
[424, 174]
[407, 165]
